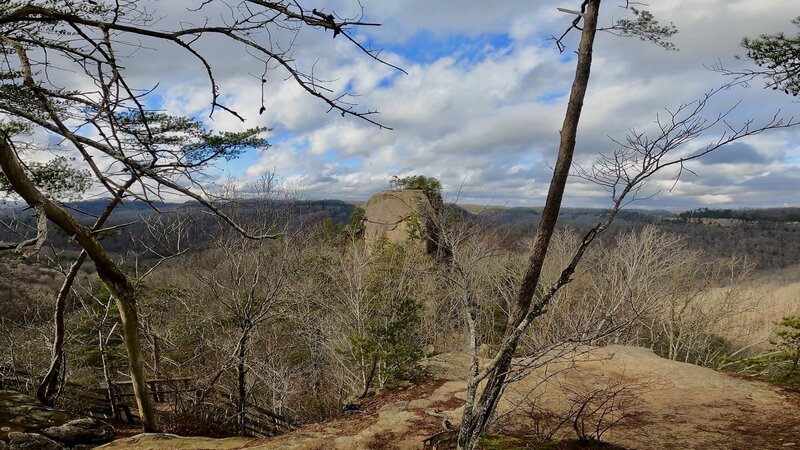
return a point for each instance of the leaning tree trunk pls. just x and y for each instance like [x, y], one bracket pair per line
[118, 284]
[48, 387]
[476, 420]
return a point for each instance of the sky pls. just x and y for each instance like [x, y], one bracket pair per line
[483, 99]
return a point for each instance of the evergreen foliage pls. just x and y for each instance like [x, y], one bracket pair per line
[647, 28]
[778, 56]
[391, 341]
[782, 362]
[355, 225]
[431, 186]
[56, 178]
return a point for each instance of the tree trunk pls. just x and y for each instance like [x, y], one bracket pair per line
[566, 149]
[156, 357]
[475, 422]
[368, 379]
[48, 387]
[241, 371]
[115, 280]
[112, 398]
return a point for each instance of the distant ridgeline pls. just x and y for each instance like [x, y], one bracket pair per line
[128, 216]
[517, 222]
[747, 215]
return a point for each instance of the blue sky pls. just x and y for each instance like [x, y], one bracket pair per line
[426, 47]
[484, 97]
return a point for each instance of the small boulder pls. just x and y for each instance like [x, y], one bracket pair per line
[32, 441]
[81, 431]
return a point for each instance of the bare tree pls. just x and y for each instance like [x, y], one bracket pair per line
[373, 326]
[639, 157]
[163, 153]
[478, 414]
[250, 278]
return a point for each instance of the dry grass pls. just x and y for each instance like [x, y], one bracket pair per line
[769, 296]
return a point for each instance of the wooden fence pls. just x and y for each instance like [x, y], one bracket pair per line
[258, 421]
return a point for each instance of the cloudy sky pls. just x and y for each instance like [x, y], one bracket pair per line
[484, 97]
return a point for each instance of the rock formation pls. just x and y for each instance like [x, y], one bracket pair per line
[80, 431]
[398, 215]
[25, 424]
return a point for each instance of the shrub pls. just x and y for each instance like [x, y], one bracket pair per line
[782, 361]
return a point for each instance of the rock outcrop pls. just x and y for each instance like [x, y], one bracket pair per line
[32, 441]
[25, 424]
[398, 215]
[81, 431]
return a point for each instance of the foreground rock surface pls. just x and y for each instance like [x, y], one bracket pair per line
[22, 413]
[683, 407]
[154, 441]
[80, 431]
[24, 423]
[32, 441]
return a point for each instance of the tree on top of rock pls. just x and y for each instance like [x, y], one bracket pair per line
[431, 186]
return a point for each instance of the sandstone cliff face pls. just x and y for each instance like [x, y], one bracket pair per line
[394, 213]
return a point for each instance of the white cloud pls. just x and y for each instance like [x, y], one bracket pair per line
[487, 115]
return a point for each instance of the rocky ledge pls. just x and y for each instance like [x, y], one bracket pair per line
[25, 424]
